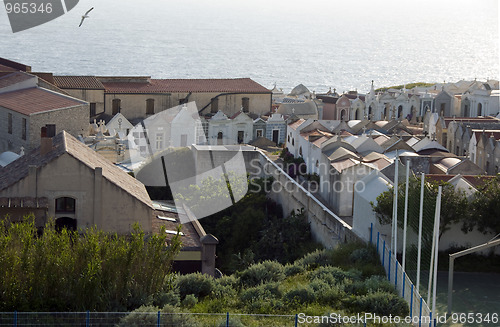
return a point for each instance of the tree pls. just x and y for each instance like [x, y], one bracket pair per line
[484, 210]
[454, 205]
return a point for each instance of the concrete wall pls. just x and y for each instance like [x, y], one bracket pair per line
[326, 227]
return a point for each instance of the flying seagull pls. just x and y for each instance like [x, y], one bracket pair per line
[85, 16]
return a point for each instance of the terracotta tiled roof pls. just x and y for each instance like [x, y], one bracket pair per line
[78, 82]
[296, 124]
[190, 238]
[478, 181]
[236, 85]
[35, 100]
[14, 65]
[4, 68]
[14, 78]
[64, 143]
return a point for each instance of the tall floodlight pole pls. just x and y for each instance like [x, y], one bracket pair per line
[438, 220]
[395, 209]
[420, 218]
[434, 251]
[406, 214]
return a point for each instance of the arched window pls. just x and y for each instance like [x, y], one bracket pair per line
[150, 106]
[466, 111]
[479, 109]
[400, 111]
[288, 138]
[293, 142]
[342, 115]
[220, 136]
[300, 151]
[116, 106]
[356, 114]
[317, 163]
[65, 205]
[370, 112]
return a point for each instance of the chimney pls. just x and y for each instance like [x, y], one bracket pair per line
[45, 142]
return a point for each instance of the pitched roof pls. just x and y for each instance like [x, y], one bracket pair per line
[35, 100]
[13, 66]
[14, 78]
[235, 85]
[64, 143]
[78, 82]
[4, 68]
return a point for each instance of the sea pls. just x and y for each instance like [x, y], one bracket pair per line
[341, 45]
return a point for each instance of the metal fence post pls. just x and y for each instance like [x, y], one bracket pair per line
[227, 319]
[378, 239]
[371, 232]
[383, 255]
[420, 316]
[430, 319]
[296, 320]
[159, 319]
[404, 284]
[87, 319]
[396, 275]
[389, 273]
[411, 301]
[15, 318]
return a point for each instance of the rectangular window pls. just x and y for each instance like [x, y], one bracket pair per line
[260, 132]
[92, 109]
[245, 104]
[24, 125]
[150, 107]
[159, 141]
[9, 128]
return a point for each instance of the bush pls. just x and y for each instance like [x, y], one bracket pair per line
[299, 295]
[267, 271]
[171, 297]
[233, 322]
[148, 316]
[198, 284]
[325, 293]
[363, 255]
[263, 292]
[292, 270]
[318, 258]
[333, 275]
[189, 301]
[380, 303]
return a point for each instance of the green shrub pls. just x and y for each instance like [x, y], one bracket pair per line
[267, 271]
[292, 270]
[189, 301]
[263, 292]
[325, 293]
[363, 255]
[380, 303]
[332, 275]
[148, 316]
[143, 316]
[299, 295]
[170, 297]
[233, 322]
[318, 258]
[198, 284]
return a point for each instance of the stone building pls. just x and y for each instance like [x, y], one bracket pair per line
[25, 107]
[66, 180]
[86, 88]
[141, 97]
